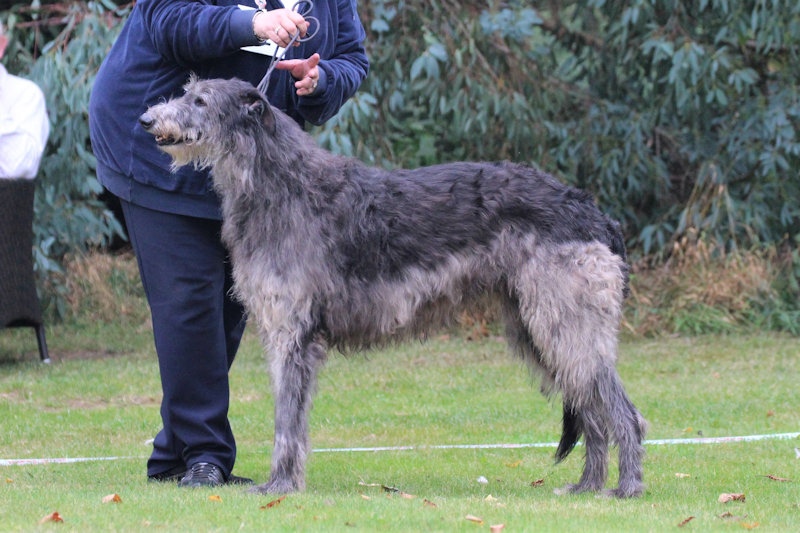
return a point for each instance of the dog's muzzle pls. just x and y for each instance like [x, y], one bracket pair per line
[148, 122]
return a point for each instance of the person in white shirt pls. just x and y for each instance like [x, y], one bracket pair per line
[23, 123]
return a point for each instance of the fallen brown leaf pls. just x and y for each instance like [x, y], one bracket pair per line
[8, 480]
[215, 498]
[537, 483]
[111, 498]
[496, 528]
[686, 521]
[770, 413]
[776, 478]
[515, 464]
[751, 525]
[365, 497]
[474, 519]
[428, 503]
[406, 495]
[52, 517]
[728, 497]
[730, 516]
[273, 503]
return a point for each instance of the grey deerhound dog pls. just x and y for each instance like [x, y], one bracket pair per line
[328, 252]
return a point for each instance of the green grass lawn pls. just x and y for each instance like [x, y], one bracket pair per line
[101, 399]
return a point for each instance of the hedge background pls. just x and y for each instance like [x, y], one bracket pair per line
[681, 117]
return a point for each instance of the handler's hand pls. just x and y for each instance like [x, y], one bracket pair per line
[278, 25]
[305, 71]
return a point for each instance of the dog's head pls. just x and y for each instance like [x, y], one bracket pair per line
[197, 127]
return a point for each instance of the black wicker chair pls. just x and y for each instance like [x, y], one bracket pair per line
[19, 304]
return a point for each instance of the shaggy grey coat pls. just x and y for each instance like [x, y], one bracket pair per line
[329, 252]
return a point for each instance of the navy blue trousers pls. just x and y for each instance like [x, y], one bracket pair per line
[197, 327]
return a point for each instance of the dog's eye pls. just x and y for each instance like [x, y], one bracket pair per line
[199, 102]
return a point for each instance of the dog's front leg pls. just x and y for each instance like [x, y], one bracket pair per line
[294, 374]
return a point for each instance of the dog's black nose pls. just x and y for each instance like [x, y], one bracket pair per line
[146, 121]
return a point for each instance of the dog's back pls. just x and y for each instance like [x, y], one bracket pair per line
[421, 217]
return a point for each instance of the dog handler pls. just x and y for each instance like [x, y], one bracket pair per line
[173, 218]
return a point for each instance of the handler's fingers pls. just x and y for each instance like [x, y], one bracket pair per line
[287, 30]
[308, 84]
[300, 68]
[296, 67]
[299, 22]
[278, 36]
[289, 64]
[290, 23]
[279, 25]
[312, 62]
[305, 87]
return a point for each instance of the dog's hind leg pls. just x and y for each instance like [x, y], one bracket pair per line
[570, 299]
[595, 470]
[587, 421]
[628, 427]
[294, 368]
[610, 415]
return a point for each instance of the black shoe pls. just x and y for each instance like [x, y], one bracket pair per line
[173, 475]
[210, 475]
[236, 480]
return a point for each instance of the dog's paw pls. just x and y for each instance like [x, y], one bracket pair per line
[569, 488]
[633, 491]
[575, 488]
[273, 486]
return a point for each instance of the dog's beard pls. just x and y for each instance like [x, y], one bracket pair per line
[183, 154]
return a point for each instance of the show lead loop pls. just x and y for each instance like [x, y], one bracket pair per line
[303, 7]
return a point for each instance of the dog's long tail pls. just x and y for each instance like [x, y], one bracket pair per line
[617, 246]
[570, 433]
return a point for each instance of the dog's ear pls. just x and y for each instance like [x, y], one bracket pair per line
[256, 106]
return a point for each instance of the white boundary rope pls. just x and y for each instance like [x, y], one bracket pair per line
[61, 460]
[654, 442]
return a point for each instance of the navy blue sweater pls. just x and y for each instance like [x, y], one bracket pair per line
[164, 41]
